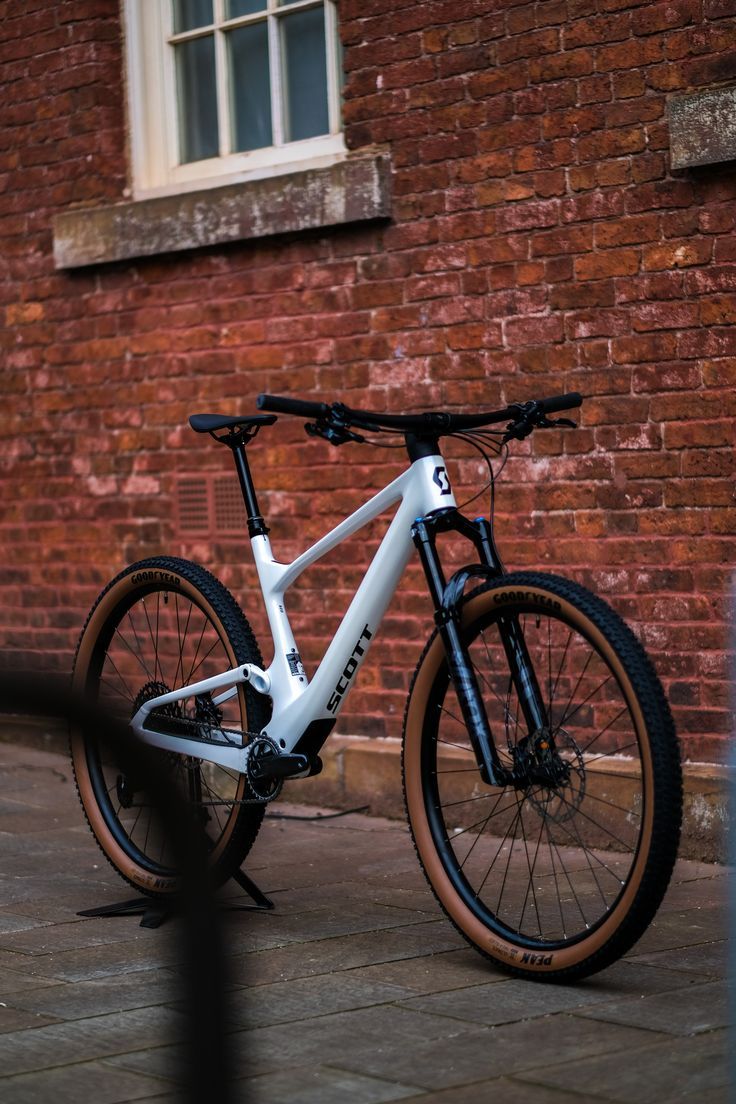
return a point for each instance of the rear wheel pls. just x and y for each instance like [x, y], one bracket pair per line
[161, 624]
[556, 875]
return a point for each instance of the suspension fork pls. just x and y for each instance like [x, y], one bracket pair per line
[446, 597]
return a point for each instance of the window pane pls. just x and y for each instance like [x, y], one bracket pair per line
[189, 14]
[244, 7]
[250, 91]
[197, 99]
[305, 74]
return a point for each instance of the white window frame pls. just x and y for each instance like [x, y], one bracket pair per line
[153, 118]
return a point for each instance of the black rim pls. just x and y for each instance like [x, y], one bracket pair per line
[542, 867]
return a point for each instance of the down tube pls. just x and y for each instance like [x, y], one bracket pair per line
[326, 693]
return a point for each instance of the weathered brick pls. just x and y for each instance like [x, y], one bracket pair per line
[538, 243]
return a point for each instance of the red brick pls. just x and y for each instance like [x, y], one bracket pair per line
[533, 331]
[644, 348]
[538, 244]
[609, 262]
[682, 254]
[665, 16]
[665, 316]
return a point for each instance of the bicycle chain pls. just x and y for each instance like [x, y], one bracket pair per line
[232, 738]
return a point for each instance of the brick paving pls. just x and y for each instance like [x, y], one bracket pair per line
[354, 989]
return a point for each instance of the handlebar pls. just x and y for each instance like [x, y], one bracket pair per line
[432, 422]
[282, 404]
[569, 401]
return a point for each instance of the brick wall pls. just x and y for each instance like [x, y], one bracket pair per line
[539, 244]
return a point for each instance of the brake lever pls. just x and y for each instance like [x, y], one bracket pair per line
[336, 435]
[532, 418]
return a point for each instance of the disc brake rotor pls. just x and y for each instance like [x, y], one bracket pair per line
[561, 802]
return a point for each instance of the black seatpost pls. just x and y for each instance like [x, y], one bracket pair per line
[256, 525]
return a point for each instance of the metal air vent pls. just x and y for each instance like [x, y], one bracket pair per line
[209, 504]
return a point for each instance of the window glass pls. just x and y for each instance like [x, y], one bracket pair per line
[189, 14]
[244, 7]
[250, 90]
[305, 74]
[197, 99]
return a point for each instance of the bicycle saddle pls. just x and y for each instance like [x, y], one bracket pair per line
[208, 423]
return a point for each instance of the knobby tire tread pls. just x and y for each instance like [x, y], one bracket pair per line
[245, 646]
[660, 728]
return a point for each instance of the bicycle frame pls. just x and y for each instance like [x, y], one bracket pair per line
[304, 712]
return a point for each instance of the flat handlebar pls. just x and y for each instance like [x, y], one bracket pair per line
[282, 404]
[431, 421]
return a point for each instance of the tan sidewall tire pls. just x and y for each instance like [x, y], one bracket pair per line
[119, 858]
[469, 924]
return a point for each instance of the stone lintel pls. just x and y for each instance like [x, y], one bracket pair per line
[702, 127]
[354, 189]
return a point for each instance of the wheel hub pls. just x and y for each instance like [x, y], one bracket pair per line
[557, 782]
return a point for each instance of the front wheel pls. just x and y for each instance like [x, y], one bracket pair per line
[164, 623]
[558, 874]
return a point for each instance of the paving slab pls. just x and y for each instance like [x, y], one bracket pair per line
[675, 1069]
[356, 988]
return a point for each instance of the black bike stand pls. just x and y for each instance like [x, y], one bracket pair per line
[155, 910]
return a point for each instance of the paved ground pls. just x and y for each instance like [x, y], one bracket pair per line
[354, 990]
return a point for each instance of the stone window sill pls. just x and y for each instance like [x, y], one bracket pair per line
[702, 127]
[354, 189]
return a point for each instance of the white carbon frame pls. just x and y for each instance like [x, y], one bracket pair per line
[421, 489]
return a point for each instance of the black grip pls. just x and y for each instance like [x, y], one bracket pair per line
[561, 402]
[280, 404]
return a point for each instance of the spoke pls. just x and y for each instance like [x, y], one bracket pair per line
[626, 846]
[188, 679]
[178, 640]
[467, 800]
[585, 701]
[549, 671]
[609, 725]
[485, 822]
[608, 754]
[611, 804]
[153, 641]
[559, 672]
[531, 868]
[138, 645]
[569, 882]
[554, 874]
[444, 709]
[135, 822]
[499, 849]
[158, 608]
[461, 747]
[508, 858]
[589, 851]
[182, 640]
[576, 835]
[581, 676]
[204, 659]
[458, 770]
[128, 693]
[493, 813]
[134, 654]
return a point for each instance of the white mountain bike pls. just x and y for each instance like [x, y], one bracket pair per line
[540, 763]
